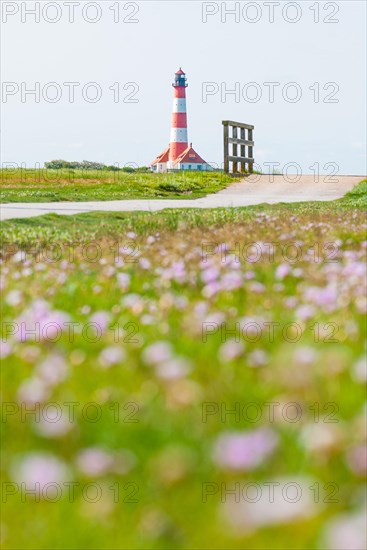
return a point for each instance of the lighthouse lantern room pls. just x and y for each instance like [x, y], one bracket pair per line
[179, 155]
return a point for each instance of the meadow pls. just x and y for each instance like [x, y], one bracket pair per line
[197, 378]
[53, 185]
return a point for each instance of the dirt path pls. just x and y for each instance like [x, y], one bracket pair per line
[252, 190]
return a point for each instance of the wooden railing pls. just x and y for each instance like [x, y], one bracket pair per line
[238, 138]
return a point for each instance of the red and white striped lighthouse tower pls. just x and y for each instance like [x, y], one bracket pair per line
[179, 155]
[178, 141]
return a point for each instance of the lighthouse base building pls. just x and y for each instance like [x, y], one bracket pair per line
[189, 159]
[179, 155]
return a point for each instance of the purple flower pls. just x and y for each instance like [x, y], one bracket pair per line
[40, 468]
[95, 462]
[282, 271]
[230, 350]
[157, 353]
[209, 274]
[101, 319]
[112, 355]
[244, 450]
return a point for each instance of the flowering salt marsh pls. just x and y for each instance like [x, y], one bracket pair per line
[185, 384]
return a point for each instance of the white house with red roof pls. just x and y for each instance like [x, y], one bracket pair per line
[179, 155]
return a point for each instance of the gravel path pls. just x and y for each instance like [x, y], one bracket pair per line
[252, 190]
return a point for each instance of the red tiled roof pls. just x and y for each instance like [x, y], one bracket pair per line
[163, 157]
[189, 156]
[180, 71]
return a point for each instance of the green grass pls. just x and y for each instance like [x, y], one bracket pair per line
[90, 185]
[165, 293]
[96, 225]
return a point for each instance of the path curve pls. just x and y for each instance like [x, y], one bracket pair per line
[252, 190]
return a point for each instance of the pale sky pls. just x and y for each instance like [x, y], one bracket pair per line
[329, 57]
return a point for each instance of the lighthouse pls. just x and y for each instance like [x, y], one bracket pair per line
[179, 155]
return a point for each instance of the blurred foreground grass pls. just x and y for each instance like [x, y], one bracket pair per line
[181, 317]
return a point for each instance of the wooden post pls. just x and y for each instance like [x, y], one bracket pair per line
[250, 152]
[243, 150]
[226, 152]
[234, 149]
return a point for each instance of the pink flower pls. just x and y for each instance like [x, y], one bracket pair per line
[156, 353]
[346, 531]
[95, 461]
[53, 424]
[40, 468]
[173, 369]
[101, 319]
[112, 355]
[39, 321]
[230, 350]
[305, 312]
[210, 274]
[231, 281]
[244, 450]
[357, 459]
[53, 370]
[282, 271]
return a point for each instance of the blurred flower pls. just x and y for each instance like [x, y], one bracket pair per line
[95, 461]
[33, 390]
[42, 468]
[53, 370]
[280, 501]
[257, 358]
[230, 350]
[305, 312]
[112, 355]
[174, 368]
[282, 271]
[53, 425]
[357, 459]
[320, 437]
[156, 353]
[244, 450]
[346, 532]
[101, 319]
[359, 370]
[305, 355]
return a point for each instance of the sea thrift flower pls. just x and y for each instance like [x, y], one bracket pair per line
[305, 312]
[157, 353]
[360, 370]
[53, 370]
[346, 531]
[263, 508]
[95, 462]
[101, 319]
[230, 350]
[357, 460]
[48, 324]
[177, 367]
[244, 450]
[39, 468]
[282, 271]
[112, 355]
[52, 424]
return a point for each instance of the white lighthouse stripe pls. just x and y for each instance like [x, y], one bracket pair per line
[178, 135]
[179, 105]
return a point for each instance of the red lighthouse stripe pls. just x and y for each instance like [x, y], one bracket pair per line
[179, 91]
[176, 149]
[179, 120]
